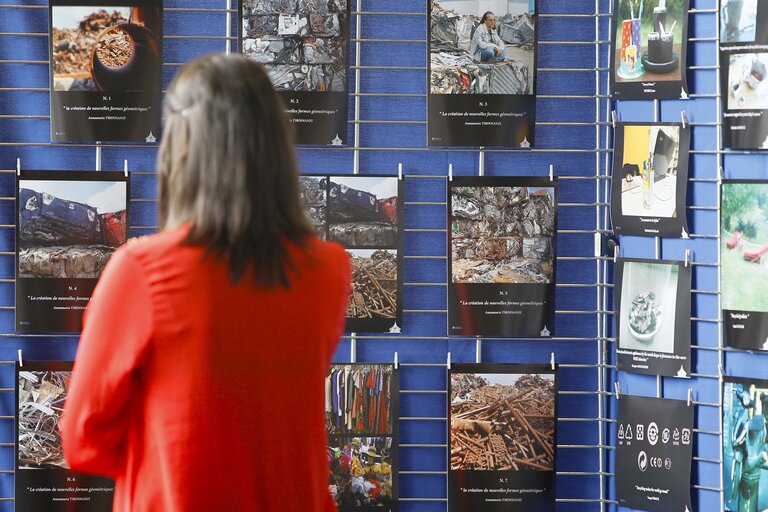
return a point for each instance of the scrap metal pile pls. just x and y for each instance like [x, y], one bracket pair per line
[72, 49]
[300, 42]
[453, 71]
[502, 427]
[374, 286]
[74, 261]
[312, 192]
[501, 235]
[41, 400]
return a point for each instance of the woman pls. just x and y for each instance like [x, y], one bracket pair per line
[199, 378]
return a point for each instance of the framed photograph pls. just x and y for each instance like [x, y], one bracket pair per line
[502, 435]
[362, 418]
[364, 214]
[744, 263]
[744, 449]
[653, 317]
[43, 479]
[648, 49]
[68, 225]
[304, 47]
[654, 453]
[482, 73]
[650, 178]
[743, 61]
[105, 68]
[501, 237]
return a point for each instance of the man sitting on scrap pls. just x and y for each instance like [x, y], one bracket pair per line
[486, 45]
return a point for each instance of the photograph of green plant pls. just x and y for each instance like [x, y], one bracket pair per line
[744, 246]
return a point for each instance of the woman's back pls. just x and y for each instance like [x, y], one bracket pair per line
[211, 395]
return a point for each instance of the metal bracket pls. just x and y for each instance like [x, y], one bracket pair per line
[614, 118]
[481, 163]
[21, 361]
[687, 257]
[616, 251]
[125, 167]
[450, 172]
[448, 362]
[552, 360]
[617, 388]
[690, 396]
[684, 117]
[397, 362]
[400, 171]
[551, 172]
[18, 167]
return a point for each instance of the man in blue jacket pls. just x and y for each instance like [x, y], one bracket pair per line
[486, 44]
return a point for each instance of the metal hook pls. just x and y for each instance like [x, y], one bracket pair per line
[690, 396]
[687, 257]
[125, 167]
[18, 167]
[21, 361]
[397, 362]
[684, 117]
[449, 361]
[400, 171]
[552, 360]
[616, 249]
[551, 172]
[450, 172]
[617, 388]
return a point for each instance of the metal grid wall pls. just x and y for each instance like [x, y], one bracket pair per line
[388, 105]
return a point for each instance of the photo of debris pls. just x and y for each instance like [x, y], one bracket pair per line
[363, 473]
[502, 436]
[502, 234]
[738, 20]
[363, 211]
[653, 311]
[104, 48]
[302, 43]
[69, 229]
[472, 52]
[313, 190]
[375, 288]
[41, 402]
[43, 480]
[361, 399]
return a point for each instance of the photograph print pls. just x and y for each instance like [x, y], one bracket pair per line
[363, 473]
[313, 192]
[653, 317]
[482, 72]
[502, 437]
[745, 472]
[502, 265]
[648, 50]
[744, 263]
[105, 66]
[375, 304]
[43, 478]
[743, 21]
[361, 399]
[304, 47]
[68, 225]
[650, 177]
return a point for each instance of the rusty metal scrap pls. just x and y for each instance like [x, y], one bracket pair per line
[502, 427]
[41, 401]
[374, 286]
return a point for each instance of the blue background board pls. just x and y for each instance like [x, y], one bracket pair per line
[388, 129]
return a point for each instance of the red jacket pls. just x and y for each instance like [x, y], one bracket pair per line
[194, 394]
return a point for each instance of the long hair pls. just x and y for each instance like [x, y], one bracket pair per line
[485, 16]
[227, 167]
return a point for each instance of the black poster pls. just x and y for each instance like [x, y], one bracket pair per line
[482, 74]
[364, 214]
[362, 418]
[654, 454]
[745, 470]
[650, 178]
[743, 59]
[106, 59]
[43, 479]
[653, 317]
[304, 47]
[502, 424]
[744, 263]
[68, 225]
[501, 240]
[648, 49]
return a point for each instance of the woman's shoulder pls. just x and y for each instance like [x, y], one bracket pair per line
[328, 254]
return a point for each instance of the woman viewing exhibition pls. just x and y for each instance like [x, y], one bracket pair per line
[199, 378]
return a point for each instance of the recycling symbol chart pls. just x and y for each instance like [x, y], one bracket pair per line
[654, 450]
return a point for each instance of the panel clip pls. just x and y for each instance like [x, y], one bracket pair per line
[450, 172]
[614, 119]
[449, 361]
[397, 361]
[18, 167]
[684, 117]
[617, 388]
[687, 257]
[690, 396]
[616, 251]
[400, 171]
[552, 360]
[125, 167]
[21, 361]
[551, 172]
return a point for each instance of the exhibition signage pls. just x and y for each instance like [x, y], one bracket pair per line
[744, 263]
[481, 75]
[364, 214]
[743, 60]
[501, 243]
[68, 224]
[650, 179]
[502, 424]
[304, 47]
[648, 49]
[105, 70]
[43, 480]
[654, 451]
[653, 316]
[362, 418]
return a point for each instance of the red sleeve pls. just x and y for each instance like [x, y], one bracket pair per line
[117, 327]
[346, 275]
